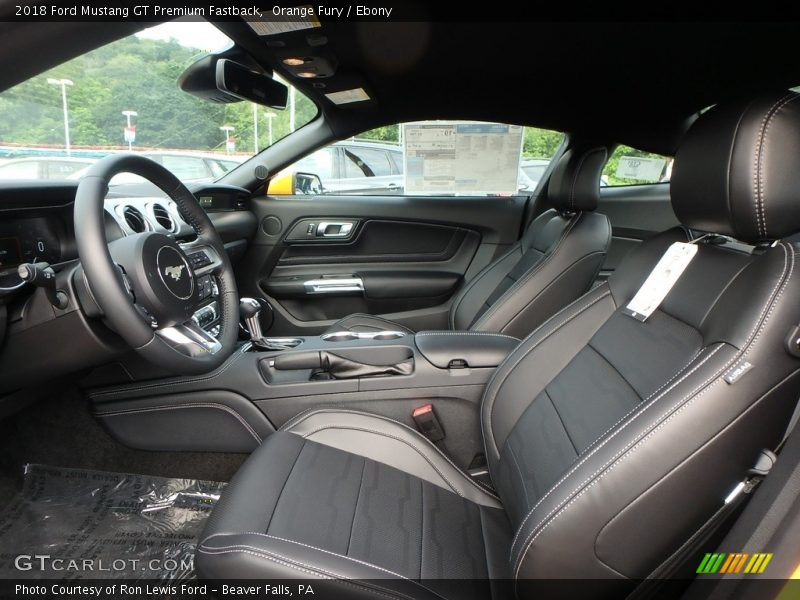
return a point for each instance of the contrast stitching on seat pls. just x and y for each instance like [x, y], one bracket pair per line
[300, 417]
[302, 567]
[236, 550]
[303, 416]
[176, 382]
[489, 402]
[687, 400]
[497, 304]
[481, 274]
[642, 407]
[555, 281]
[430, 333]
[275, 537]
[605, 469]
[635, 408]
[752, 341]
[578, 172]
[223, 407]
[394, 437]
[758, 180]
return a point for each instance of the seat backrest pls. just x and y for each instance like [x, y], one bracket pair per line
[611, 440]
[554, 262]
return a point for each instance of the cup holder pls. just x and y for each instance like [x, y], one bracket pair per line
[339, 336]
[348, 336]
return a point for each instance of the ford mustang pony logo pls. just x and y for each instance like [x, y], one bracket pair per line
[174, 272]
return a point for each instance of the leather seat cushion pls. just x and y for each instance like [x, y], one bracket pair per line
[302, 508]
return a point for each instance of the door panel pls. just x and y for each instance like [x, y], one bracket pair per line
[636, 212]
[403, 258]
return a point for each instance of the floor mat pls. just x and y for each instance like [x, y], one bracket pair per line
[96, 524]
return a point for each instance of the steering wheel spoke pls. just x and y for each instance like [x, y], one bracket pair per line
[189, 339]
[203, 258]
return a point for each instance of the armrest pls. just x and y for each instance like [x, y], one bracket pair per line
[475, 349]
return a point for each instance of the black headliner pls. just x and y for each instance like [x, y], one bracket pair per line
[637, 83]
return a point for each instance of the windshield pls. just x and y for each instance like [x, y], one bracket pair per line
[124, 97]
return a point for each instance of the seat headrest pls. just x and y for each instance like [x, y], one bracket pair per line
[575, 182]
[737, 170]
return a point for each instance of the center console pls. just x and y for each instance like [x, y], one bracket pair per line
[268, 381]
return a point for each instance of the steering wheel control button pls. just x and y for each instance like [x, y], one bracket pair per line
[199, 259]
[174, 271]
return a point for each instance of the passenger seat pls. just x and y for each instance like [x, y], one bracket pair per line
[554, 262]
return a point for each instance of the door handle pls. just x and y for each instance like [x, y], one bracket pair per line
[334, 229]
[334, 285]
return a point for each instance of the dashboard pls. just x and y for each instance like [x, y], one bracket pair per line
[35, 232]
[36, 225]
[27, 240]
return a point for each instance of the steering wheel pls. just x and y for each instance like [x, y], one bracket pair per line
[145, 284]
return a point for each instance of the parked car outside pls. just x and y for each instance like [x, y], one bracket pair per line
[356, 166]
[43, 167]
[190, 168]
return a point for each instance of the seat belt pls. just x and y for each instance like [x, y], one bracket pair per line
[650, 586]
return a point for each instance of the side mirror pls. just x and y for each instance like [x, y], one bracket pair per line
[295, 184]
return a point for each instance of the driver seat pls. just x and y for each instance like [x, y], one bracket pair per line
[610, 441]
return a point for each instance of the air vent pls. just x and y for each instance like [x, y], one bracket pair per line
[163, 217]
[134, 219]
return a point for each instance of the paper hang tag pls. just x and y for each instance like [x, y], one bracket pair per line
[660, 281]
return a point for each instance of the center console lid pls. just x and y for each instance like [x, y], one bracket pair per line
[473, 349]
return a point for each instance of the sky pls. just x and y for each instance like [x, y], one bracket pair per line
[192, 34]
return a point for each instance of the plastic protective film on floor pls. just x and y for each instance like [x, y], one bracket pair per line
[94, 524]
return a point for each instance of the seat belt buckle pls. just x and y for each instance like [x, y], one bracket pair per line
[427, 422]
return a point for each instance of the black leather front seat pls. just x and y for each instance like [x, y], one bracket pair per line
[609, 440]
[554, 262]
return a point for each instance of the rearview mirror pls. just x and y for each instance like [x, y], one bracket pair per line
[295, 184]
[239, 81]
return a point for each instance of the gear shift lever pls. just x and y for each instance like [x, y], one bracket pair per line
[249, 309]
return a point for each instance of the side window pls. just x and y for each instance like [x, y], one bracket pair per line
[318, 163]
[434, 158]
[366, 162]
[629, 166]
